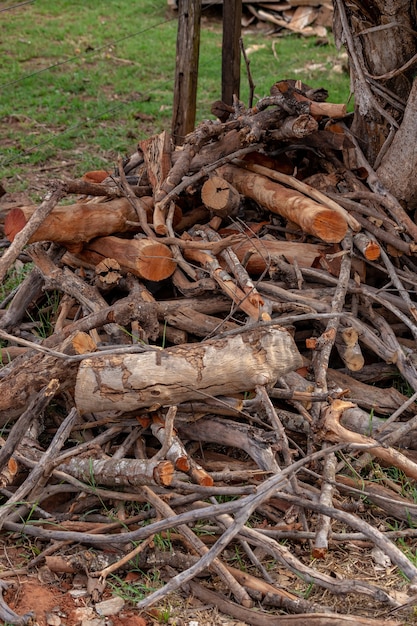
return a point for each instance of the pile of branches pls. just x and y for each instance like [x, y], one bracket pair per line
[231, 321]
[304, 17]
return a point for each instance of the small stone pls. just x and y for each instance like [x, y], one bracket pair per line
[79, 581]
[84, 614]
[110, 607]
[78, 593]
[53, 620]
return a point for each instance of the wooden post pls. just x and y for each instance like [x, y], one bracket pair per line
[186, 69]
[232, 17]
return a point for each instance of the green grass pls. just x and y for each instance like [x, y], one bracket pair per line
[82, 82]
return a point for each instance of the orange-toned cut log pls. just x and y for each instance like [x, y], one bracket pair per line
[314, 218]
[146, 258]
[75, 223]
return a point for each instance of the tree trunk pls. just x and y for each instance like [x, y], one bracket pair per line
[380, 40]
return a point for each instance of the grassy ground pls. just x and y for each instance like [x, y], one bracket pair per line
[81, 82]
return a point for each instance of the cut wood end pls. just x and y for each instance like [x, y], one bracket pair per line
[161, 229]
[201, 477]
[329, 226]
[14, 222]
[82, 343]
[182, 464]
[95, 176]
[220, 197]
[319, 553]
[156, 262]
[163, 473]
[372, 251]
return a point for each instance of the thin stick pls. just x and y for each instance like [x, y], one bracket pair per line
[249, 74]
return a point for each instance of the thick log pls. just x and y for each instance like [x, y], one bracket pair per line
[301, 186]
[197, 323]
[146, 258]
[189, 372]
[314, 218]
[30, 372]
[75, 223]
[220, 196]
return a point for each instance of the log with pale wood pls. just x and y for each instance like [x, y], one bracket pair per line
[130, 472]
[178, 374]
[258, 254]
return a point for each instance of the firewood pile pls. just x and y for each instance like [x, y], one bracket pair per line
[303, 17]
[227, 362]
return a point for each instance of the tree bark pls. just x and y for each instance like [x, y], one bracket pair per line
[381, 44]
[75, 223]
[400, 162]
[178, 374]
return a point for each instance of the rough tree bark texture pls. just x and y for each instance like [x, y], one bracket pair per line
[379, 37]
[189, 372]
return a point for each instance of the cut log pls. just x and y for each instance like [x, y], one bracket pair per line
[75, 223]
[30, 372]
[146, 258]
[314, 218]
[199, 324]
[220, 196]
[107, 274]
[189, 372]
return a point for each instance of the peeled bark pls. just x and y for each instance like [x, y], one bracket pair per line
[178, 374]
[75, 223]
[312, 217]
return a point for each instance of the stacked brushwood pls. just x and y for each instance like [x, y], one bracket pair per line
[304, 17]
[231, 317]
